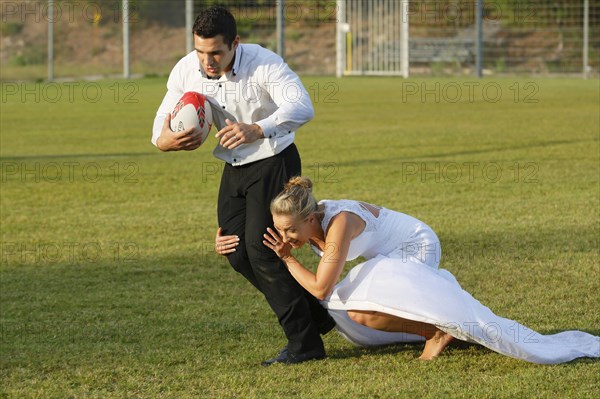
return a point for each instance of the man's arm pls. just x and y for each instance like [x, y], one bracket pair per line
[293, 101]
[294, 108]
[186, 140]
[162, 135]
[174, 93]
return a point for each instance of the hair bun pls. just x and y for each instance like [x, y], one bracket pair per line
[299, 181]
[296, 199]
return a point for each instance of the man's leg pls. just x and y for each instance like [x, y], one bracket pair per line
[285, 296]
[232, 219]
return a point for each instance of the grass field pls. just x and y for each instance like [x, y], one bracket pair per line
[109, 287]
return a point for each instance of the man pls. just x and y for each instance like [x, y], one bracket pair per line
[257, 102]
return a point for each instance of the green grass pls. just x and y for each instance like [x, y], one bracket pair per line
[108, 283]
[15, 71]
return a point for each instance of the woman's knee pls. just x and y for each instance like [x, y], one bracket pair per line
[361, 317]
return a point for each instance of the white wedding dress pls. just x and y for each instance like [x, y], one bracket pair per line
[401, 278]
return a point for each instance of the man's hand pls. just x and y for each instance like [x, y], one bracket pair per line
[186, 140]
[235, 134]
[225, 245]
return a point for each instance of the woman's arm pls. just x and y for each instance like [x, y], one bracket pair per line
[342, 228]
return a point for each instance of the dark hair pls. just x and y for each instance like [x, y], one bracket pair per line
[216, 20]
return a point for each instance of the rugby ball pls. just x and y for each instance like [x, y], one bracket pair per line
[192, 111]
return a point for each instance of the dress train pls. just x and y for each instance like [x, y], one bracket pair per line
[409, 290]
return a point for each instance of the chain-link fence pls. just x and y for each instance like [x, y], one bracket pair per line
[533, 37]
[539, 37]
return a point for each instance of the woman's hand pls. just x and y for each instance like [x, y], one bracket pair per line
[273, 241]
[224, 245]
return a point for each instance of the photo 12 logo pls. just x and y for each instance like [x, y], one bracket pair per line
[70, 172]
[67, 11]
[53, 92]
[68, 252]
[519, 12]
[469, 92]
[455, 172]
[325, 11]
[318, 172]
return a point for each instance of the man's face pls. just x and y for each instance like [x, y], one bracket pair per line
[215, 56]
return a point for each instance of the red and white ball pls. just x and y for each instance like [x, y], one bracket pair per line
[192, 111]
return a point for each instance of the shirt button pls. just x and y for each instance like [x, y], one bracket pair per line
[223, 106]
[220, 85]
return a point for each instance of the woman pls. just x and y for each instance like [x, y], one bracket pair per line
[398, 294]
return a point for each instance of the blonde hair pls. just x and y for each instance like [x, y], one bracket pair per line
[296, 199]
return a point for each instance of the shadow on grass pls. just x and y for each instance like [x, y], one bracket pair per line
[415, 348]
[71, 156]
[455, 347]
[196, 294]
[521, 245]
[418, 157]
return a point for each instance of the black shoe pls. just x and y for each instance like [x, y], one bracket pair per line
[283, 354]
[286, 357]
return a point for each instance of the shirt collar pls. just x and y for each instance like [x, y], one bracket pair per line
[236, 63]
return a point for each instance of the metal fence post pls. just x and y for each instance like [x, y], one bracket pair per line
[479, 38]
[50, 40]
[340, 39]
[189, 22]
[280, 29]
[586, 37]
[126, 66]
[404, 46]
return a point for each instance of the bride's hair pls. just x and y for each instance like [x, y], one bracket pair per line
[296, 199]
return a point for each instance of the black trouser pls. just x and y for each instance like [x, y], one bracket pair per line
[244, 197]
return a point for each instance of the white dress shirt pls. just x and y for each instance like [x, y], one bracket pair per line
[260, 89]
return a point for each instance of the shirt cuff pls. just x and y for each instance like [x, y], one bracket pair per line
[269, 127]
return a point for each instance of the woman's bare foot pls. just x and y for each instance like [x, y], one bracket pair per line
[435, 339]
[435, 345]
